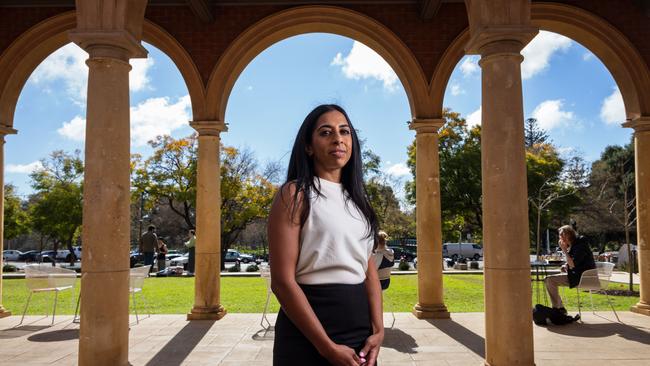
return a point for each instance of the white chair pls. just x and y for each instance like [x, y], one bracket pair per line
[44, 277]
[265, 272]
[595, 280]
[136, 282]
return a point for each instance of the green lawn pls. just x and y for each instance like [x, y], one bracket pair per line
[463, 293]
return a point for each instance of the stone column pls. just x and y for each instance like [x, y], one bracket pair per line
[4, 130]
[104, 333]
[641, 128]
[429, 223]
[207, 299]
[508, 293]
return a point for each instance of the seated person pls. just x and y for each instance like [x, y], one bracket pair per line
[384, 259]
[578, 259]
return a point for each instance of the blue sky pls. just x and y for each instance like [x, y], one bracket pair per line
[565, 86]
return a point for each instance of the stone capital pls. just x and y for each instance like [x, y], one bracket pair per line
[115, 44]
[6, 130]
[426, 125]
[641, 124]
[209, 128]
[504, 40]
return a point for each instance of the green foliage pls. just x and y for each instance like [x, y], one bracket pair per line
[16, 219]
[404, 266]
[9, 268]
[460, 176]
[253, 268]
[56, 206]
[235, 268]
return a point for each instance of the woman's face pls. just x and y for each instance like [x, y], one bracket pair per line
[331, 142]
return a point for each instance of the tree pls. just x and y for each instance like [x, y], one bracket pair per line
[246, 195]
[460, 176]
[56, 208]
[619, 190]
[168, 178]
[16, 220]
[534, 134]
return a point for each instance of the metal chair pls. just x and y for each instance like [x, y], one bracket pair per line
[44, 277]
[595, 280]
[265, 272]
[136, 282]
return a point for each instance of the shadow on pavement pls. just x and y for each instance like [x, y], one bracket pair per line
[179, 347]
[460, 334]
[587, 330]
[55, 336]
[399, 340]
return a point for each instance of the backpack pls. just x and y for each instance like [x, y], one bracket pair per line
[543, 315]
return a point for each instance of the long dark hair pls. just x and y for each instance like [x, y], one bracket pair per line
[301, 171]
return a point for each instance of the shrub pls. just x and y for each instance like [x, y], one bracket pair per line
[404, 265]
[252, 268]
[235, 268]
[9, 268]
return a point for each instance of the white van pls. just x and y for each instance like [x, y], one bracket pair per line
[466, 250]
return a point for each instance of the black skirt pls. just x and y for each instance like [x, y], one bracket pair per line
[343, 311]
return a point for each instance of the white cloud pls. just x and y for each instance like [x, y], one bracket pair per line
[469, 65]
[587, 56]
[364, 63]
[612, 111]
[398, 170]
[24, 168]
[151, 118]
[68, 65]
[550, 115]
[74, 129]
[456, 89]
[474, 118]
[539, 51]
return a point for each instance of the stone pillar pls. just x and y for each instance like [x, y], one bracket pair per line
[641, 128]
[4, 130]
[104, 333]
[207, 299]
[508, 293]
[429, 223]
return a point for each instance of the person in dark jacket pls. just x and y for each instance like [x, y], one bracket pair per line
[149, 245]
[578, 259]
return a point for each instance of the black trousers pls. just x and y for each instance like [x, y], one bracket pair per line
[344, 312]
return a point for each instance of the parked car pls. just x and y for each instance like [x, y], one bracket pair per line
[233, 255]
[65, 255]
[48, 256]
[415, 262]
[462, 250]
[11, 255]
[135, 257]
[180, 261]
[30, 256]
[407, 253]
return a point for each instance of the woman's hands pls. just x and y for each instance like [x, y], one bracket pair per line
[341, 355]
[370, 350]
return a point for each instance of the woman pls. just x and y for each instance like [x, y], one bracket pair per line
[321, 236]
[384, 260]
[162, 253]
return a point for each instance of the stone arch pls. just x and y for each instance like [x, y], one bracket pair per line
[22, 57]
[614, 50]
[309, 19]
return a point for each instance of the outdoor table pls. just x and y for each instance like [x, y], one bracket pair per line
[541, 272]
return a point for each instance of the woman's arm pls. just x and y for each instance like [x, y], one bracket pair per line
[284, 249]
[371, 349]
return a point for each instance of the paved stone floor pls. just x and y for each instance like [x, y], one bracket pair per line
[238, 339]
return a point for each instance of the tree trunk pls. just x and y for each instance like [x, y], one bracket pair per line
[539, 219]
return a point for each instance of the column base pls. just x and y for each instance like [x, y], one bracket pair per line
[641, 308]
[4, 312]
[437, 311]
[212, 313]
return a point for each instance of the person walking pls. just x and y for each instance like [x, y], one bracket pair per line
[322, 231]
[149, 245]
[191, 246]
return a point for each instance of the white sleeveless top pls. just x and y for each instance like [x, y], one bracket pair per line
[333, 243]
